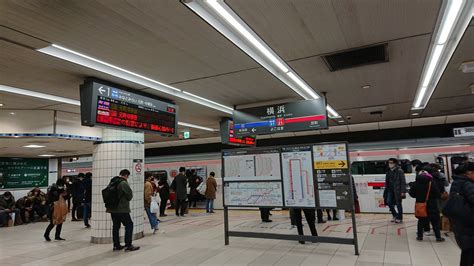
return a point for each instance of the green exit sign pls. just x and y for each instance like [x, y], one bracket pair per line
[186, 135]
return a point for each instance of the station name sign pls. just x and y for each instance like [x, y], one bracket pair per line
[111, 106]
[286, 117]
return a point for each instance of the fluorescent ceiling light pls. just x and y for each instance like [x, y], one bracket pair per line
[74, 102]
[196, 126]
[33, 146]
[247, 33]
[46, 155]
[1, 104]
[96, 64]
[221, 17]
[452, 24]
[332, 113]
[38, 95]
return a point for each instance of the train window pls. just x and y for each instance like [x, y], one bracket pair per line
[377, 167]
[160, 174]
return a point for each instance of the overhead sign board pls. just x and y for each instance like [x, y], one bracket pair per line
[286, 117]
[228, 135]
[110, 106]
[463, 132]
[23, 173]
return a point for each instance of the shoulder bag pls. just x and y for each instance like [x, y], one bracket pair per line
[421, 210]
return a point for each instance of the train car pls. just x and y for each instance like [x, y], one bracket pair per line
[368, 165]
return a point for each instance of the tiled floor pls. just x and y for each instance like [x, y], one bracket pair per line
[198, 240]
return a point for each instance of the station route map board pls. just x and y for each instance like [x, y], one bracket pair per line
[253, 194]
[252, 165]
[297, 176]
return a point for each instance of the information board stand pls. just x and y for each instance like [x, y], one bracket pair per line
[256, 177]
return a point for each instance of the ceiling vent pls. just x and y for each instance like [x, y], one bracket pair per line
[372, 109]
[357, 57]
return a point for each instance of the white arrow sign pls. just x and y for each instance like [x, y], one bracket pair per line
[345, 193]
[101, 90]
[253, 130]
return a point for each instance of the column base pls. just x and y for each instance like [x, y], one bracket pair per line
[108, 240]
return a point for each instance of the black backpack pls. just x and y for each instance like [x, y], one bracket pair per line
[110, 194]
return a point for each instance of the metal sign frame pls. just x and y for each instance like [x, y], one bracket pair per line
[316, 239]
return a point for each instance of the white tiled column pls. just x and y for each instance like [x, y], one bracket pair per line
[118, 150]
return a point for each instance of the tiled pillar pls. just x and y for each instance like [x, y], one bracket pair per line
[118, 150]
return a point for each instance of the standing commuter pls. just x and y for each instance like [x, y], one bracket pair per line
[57, 193]
[265, 215]
[87, 199]
[194, 180]
[424, 190]
[121, 212]
[180, 182]
[310, 218]
[211, 189]
[395, 190]
[164, 190]
[463, 186]
[148, 193]
[77, 194]
[319, 213]
[334, 215]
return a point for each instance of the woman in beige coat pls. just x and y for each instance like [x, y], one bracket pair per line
[211, 189]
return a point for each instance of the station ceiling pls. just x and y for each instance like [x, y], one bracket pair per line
[169, 43]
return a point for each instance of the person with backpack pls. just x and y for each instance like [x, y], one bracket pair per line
[210, 194]
[462, 189]
[56, 194]
[179, 186]
[395, 190]
[117, 196]
[427, 194]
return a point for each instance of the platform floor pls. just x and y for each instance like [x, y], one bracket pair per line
[198, 240]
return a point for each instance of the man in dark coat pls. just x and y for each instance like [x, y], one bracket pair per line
[179, 186]
[164, 190]
[464, 228]
[87, 198]
[120, 213]
[395, 190]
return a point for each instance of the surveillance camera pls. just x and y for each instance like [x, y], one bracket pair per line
[348, 117]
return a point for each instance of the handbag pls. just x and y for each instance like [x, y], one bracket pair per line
[202, 188]
[154, 206]
[421, 210]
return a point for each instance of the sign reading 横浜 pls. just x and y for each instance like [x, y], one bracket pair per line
[23, 173]
[106, 105]
[285, 117]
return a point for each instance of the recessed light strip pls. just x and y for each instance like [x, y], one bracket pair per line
[453, 22]
[38, 95]
[196, 126]
[96, 64]
[220, 16]
[73, 102]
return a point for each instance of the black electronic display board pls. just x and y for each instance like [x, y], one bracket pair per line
[111, 106]
[228, 135]
[285, 117]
